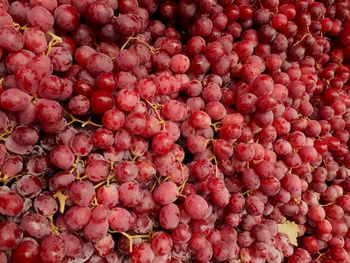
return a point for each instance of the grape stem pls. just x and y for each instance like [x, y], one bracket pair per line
[109, 177]
[104, 181]
[6, 178]
[339, 61]
[83, 123]
[94, 202]
[248, 192]
[134, 158]
[75, 168]
[61, 200]
[182, 186]
[131, 237]
[54, 41]
[302, 39]
[155, 108]
[126, 43]
[318, 67]
[210, 140]
[54, 228]
[7, 132]
[19, 27]
[112, 166]
[111, 173]
[328, 204]
[216, 126]
[320, 254]
[151, 48]
[156, 182]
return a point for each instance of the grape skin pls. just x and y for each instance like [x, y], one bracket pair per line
[171, 131]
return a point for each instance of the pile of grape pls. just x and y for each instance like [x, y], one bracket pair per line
[174, 131]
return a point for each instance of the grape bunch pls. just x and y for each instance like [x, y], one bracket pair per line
[163, 131]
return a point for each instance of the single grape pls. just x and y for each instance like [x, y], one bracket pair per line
[77, 217]
[11, 203]
[26, 251]
[13, 235]
[120, 219]
[35, 225]
[52, 249]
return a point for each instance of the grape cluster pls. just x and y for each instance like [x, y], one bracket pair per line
[163, 131]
